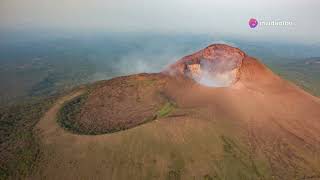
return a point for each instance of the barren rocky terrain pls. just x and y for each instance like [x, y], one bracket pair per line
[167, 125]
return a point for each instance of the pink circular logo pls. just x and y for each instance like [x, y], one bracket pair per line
[253, 23]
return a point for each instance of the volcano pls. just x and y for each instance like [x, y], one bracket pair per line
[215, 114]
[217, 66]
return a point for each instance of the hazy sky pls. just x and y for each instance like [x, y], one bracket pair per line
[224, 17]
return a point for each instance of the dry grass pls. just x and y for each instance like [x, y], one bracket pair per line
[220, 133]
[170, 148]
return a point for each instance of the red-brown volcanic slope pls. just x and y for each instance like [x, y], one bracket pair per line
[258, 96]
[277, 123]
[281, 120]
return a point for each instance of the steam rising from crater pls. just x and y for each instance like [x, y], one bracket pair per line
[215, 66]
[217, 73]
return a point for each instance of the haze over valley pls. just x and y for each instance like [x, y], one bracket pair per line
[160, 90]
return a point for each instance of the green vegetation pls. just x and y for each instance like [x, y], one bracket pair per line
[68, 114]
[237, 158]
[18, 146]
[165, 110]
[303, 73]
[207, 177]
[174, 175]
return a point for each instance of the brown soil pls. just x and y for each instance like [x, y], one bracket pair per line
[122, 103]
[260, 127]
[281, 121]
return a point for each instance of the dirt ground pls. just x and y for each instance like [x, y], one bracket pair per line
[122, 103]
[262, 127]
[170, 148]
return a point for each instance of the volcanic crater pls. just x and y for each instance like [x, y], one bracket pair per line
[125, 102]
[218, 100]
[217, 65]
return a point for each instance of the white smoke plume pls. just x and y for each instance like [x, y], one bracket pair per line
[215, 73]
